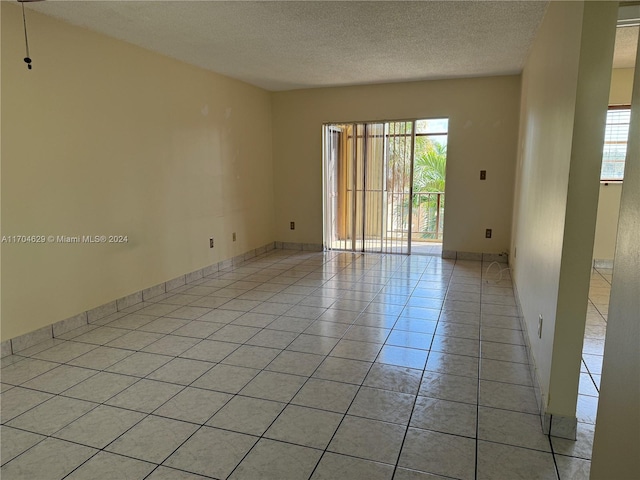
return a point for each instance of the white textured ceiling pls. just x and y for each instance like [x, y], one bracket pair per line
[281, 45]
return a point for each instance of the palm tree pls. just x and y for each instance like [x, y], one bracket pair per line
[429, 177]
[429, 169]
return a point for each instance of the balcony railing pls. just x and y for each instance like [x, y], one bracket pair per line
[428, 217]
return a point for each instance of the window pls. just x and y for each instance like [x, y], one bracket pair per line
[615, 143]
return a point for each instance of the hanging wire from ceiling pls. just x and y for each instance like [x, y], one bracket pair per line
[27, 59]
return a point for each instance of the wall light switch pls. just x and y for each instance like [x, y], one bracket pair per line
[483, 174]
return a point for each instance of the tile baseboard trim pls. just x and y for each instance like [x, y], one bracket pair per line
[479, 257]
[602, 263]
[560, 426]
[306, 247]
[27, 340]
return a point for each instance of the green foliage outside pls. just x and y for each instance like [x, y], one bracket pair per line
[428, 180]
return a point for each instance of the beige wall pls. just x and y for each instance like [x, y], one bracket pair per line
[617, 438]
[609, 201]
[604, 246]
[102, 137]
[564, 98]
[483, 119]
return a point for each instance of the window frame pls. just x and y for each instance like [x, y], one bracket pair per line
[609, 109]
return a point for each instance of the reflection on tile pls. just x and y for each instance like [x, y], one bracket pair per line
[453, 364]
[504, 352]
[587, 409]
[313, 344]
[508, 396]
[403, 338]
[343, 370]
[394, 378]
[364, 351]
[402, 357]
[455, 345]
[445, 416]
[384, 405]
[507, 372]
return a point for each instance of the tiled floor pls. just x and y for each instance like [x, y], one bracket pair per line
[292, 366]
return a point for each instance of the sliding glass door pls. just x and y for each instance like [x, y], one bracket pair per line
[368, 169]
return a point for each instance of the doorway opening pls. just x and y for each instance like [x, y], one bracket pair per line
[384, 186]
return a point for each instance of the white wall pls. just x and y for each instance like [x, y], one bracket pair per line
[617, 438]
[563, 109]
[102, 137]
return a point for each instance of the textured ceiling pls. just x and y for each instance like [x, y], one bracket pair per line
[281, 45]
[296, 44]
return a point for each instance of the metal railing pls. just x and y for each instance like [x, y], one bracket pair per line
[428, 216]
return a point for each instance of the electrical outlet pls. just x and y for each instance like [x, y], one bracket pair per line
[234, 236]
[539, 326]
[292, 225]
[211, 242]
[487, 233]
[483, 174]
